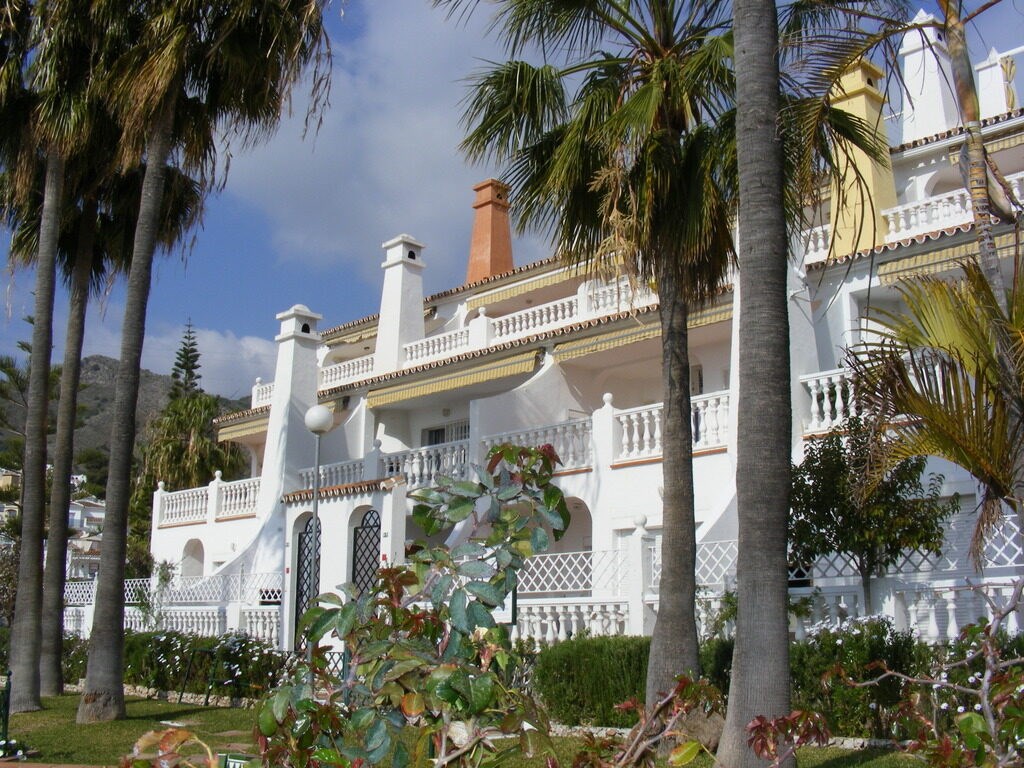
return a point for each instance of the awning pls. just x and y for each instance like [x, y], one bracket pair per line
[519, 288]
[243, 429]
[939, 260]
[991, 145]
[524, 362]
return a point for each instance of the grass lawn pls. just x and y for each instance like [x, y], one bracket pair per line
[58, 739]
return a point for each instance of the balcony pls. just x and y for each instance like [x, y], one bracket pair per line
[938, 212]
[217, 502]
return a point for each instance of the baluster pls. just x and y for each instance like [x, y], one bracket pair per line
[933, 619]
[561, 616]
[816, 421]
[635, 437]
[697, 410]
[952, 630]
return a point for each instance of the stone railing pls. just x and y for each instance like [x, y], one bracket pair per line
[543, 317]
[422, 466]
[262, 393]
[641, 428]
[938, 212]
[339, 473]
[550, 621]
[219, 501]
[619, 296]
[348, 370]
[262, 623]
[832, 399]
[814, 243]
[570, 439]
[435, 347]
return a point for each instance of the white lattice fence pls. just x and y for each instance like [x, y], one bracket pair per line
[572, 572]
[79, 592]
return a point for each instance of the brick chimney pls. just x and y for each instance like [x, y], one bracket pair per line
[490, 248]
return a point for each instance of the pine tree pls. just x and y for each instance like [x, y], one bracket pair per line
[185, 373]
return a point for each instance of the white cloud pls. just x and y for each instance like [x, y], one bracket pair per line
[386, 159]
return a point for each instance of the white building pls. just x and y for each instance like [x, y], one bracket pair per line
[542, 353]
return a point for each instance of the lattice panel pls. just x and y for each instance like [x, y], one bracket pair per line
[715, 561]
[569, 572]
[366, 551]
[79, 592]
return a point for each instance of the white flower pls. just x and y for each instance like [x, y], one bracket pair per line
[960, 709]
[977, 707]
[944, 706]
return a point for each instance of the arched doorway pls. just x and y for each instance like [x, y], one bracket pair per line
[192, 558]
[307, 566]
[366, 550]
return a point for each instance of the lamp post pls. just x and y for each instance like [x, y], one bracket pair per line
[319, 421]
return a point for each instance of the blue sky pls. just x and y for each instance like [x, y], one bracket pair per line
[302, 220]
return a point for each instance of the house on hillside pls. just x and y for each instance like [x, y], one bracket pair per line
[544, 353]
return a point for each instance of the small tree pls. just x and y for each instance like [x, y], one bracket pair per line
[840, 505]
[185, 373]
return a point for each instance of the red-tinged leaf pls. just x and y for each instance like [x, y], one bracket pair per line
[684, 754]
[552, 762]
[173, 738]
[412, 704]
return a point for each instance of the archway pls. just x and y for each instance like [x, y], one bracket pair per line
[306, 539]
[192, 559]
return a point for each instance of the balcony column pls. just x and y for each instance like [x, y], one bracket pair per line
[158, 505]
[373, 466]
[213, 498]
[481, 330]
[392, 522]
[633, 580]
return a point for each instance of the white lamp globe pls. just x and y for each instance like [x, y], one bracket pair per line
[319, 419]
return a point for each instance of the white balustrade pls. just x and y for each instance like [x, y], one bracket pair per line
[189, 506]
[346, 371]
[642, 428]
[815, 243]
[422, 466]
[551, 622]
[436, 347]
[570, 439]
[262, 624]
[528, 322]
[74, 621]
[205, 622]
[339, 473]
[262, 393]
[938, 212]
[832, 399]
[238, 498]
[618, 296]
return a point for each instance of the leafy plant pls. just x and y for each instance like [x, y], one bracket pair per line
[841, 503]
[424, 648]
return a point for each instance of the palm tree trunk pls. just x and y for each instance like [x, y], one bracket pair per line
[760, 667]
[674, 648]
[977, 169]
[50, 674]
[103, 695]
[24, 655]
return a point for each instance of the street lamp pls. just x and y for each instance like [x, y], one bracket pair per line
[319, 421]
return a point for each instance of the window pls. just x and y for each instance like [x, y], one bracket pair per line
[446, 433]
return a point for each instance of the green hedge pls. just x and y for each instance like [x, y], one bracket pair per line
[582, 679]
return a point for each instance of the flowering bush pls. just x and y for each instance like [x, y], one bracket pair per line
[856, 649]
[233, 665]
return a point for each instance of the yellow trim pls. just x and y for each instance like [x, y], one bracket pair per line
[570, 350]
[519, 288]
[991, 145]
[711, 315]
[940, 260]
[524, 362]
[243, 429]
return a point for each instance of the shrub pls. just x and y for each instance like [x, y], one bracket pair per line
[232, 665]
[855, 647]
[716, 662]
[582, 680]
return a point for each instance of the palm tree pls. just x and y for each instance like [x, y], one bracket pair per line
[614, 153]
[948, 377]
[96, 242]
[760, 666]
[57, 79]
[637, 166]
[194, 68]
